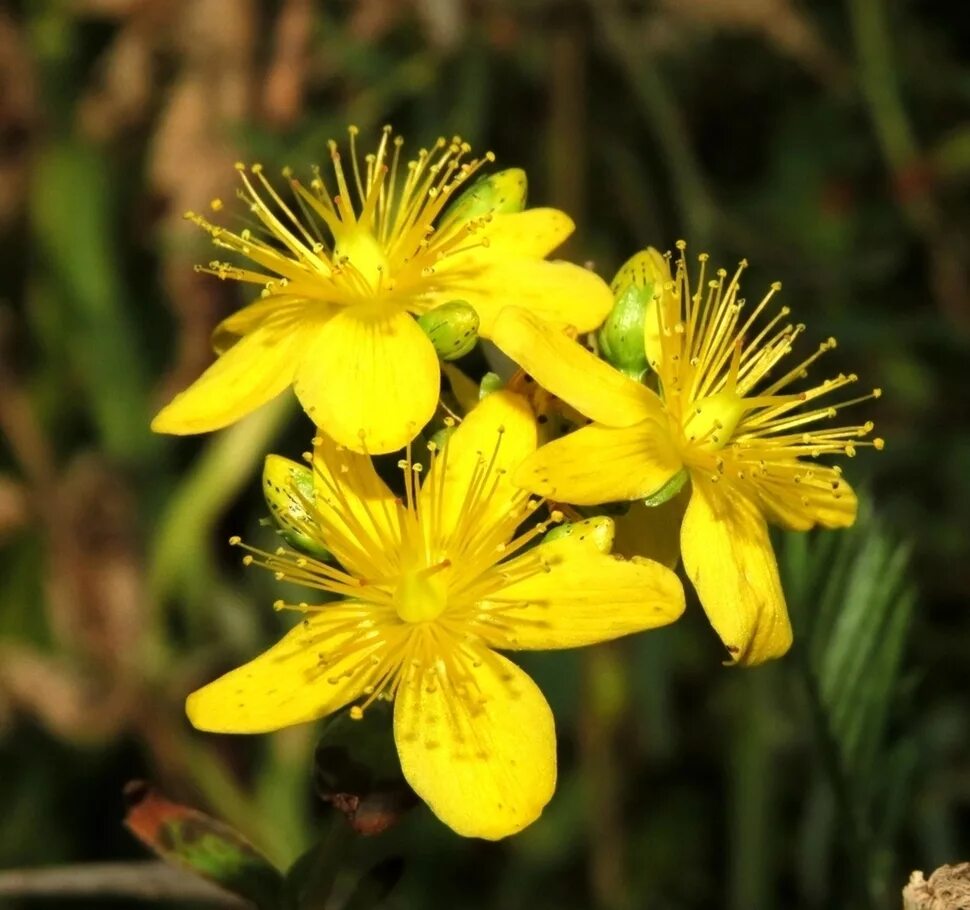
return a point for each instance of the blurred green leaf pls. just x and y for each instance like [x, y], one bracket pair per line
[74, 223]
[376, 884]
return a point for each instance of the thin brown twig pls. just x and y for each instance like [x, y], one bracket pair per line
[141, 880]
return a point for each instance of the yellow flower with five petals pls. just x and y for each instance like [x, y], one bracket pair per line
[720, 421]
[343, 276]
[430, 588]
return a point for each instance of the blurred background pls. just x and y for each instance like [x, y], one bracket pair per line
[827, 142]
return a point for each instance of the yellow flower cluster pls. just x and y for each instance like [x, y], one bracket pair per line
[688, 417]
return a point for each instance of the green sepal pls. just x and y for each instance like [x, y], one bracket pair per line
[503, 192]
[288, 490]
[491, 382]
[210, 848]
[600, 530]
[669, 490]
[452, 328]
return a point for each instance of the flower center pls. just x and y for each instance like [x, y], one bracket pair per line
[422, 595]
[362, 249]
[711, 421]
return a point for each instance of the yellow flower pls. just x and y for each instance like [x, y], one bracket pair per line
[343, 276]
[723, 420]
[430, 587]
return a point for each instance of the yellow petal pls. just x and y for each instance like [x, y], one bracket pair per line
[370, 380]
[652, 531]
[477, 743]
[581, 597]
[496, 435]
[532, 233]
[251, 317]
[359, 516]
[602, 464]
[823, 499]
[557, 292]
[572, 373]
[728, 557]
[287, 684]
[249, 374]
[465, 390]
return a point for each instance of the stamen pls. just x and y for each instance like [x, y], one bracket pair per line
[707, 363]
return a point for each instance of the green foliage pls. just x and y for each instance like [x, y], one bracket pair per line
[203, 845]
[825, 142]
[853, 599]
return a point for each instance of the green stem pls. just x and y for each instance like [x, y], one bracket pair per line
[180, 552]
[877, 75]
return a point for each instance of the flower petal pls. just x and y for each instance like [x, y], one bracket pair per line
[532, 233]
[823, 498]
[497, 434]
[602, 464]
[477, 743]
[464, 388]
[557, 292]
[370, 380]
[251, 317]
[254, 370]
[287, 684]
[359, 516]
[652, 531]
[571, 372]
[728, 556]
[581, 597]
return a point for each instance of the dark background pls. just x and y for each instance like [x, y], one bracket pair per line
[827, 142]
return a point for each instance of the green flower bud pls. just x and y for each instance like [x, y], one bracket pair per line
[452, 328]
[636, 288]
[599, 530]
[669, 490]
[491, 382]
[500, 193]
[288, 490]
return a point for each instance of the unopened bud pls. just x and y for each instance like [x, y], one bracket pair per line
[598, 531]
[288, 490]
[452, 328]
[669, 490]
[501, 193]
[636, 288]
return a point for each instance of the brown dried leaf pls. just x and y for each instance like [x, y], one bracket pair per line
[14, 507]
[67, 703]
[285, 84]
[19, 116]
[780, 22]
[191, 161]
[121, 96]
[96, 591]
